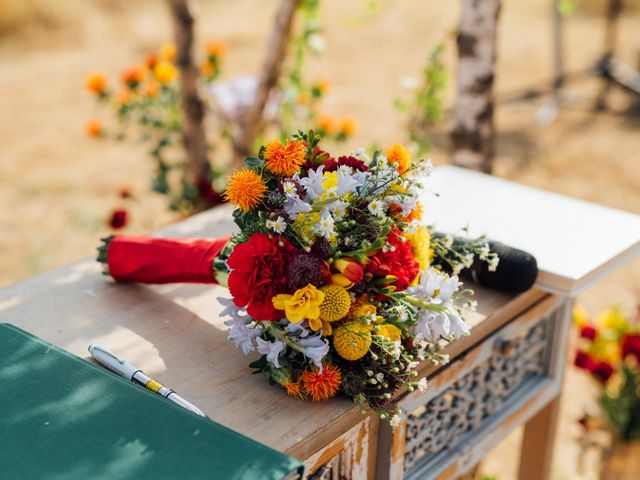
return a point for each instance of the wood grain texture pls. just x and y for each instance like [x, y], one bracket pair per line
[173, 333]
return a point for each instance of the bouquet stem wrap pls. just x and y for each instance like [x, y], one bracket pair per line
[145, 259]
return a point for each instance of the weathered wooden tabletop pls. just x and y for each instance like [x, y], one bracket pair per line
[174, 334]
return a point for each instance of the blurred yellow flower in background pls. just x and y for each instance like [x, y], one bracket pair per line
[165, 72]
[348, 126]
[613, 319]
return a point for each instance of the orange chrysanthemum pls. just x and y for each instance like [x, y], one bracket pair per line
[285, 159]
[245, 189]
[399, 155]
[294, 389]
[321, 386]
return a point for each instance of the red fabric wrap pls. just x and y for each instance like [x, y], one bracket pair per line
[147, 259]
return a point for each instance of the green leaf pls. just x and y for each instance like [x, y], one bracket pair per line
[254, 163]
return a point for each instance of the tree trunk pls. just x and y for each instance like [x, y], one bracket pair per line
[252, 123]
[473, 132]
[193, 108]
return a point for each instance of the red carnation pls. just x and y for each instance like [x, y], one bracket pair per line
[118, 219]
[602, 371]
[258, 273]
[588, 332]
[631, 346]
[583, 360]
[331, 164]
[398, 262]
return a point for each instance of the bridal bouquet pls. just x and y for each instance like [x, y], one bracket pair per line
[333, 278]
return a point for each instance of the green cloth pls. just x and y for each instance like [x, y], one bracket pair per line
[62, 417]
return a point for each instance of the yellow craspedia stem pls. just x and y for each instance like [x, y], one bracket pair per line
[352, 340]
[245, 189]
[336, 303]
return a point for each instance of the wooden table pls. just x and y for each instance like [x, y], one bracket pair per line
[507, 373]
[174, 334]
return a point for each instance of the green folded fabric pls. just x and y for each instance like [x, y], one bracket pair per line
[62, 417]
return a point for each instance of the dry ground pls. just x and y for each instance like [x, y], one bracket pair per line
[56, 186]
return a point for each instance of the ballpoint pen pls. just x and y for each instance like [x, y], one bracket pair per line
[117, 365]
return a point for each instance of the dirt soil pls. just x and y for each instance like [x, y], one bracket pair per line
[57, 186]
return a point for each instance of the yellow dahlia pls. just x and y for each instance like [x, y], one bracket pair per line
[399, 155]
[336, 303]
[285, 159]
[352, 340]
[304, 303]
[321, 386]
[245, 189]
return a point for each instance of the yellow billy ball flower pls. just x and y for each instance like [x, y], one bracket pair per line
[304, 303]
[352, 340]
[420, 243]
[245, 189]
[165, 72]
[336, 303]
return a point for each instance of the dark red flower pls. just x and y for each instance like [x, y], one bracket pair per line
[583, 360]
[398, 262]
[588, 332]
[119, 218]
[258, 272]
[602, 371]
[332, 164]
[631, 346]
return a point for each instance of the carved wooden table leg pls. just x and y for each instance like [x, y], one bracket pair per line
[537, 443]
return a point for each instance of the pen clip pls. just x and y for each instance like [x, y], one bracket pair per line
[104, 350]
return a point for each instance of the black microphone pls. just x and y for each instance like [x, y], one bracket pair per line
[517, 270]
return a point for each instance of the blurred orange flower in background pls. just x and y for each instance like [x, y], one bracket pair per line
[348, 126]
[326, 124]
[123, 97]
[168, 52]
[132, 77]
[96, 83]
[93, 128]
[215, 48]
[152, 88]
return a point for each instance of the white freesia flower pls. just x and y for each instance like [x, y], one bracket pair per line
[458, 327]
[346, 184]
[315, 348]
[239, 332]
[313, 183]
[271, 349]
[484, 251]
[294, 206]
